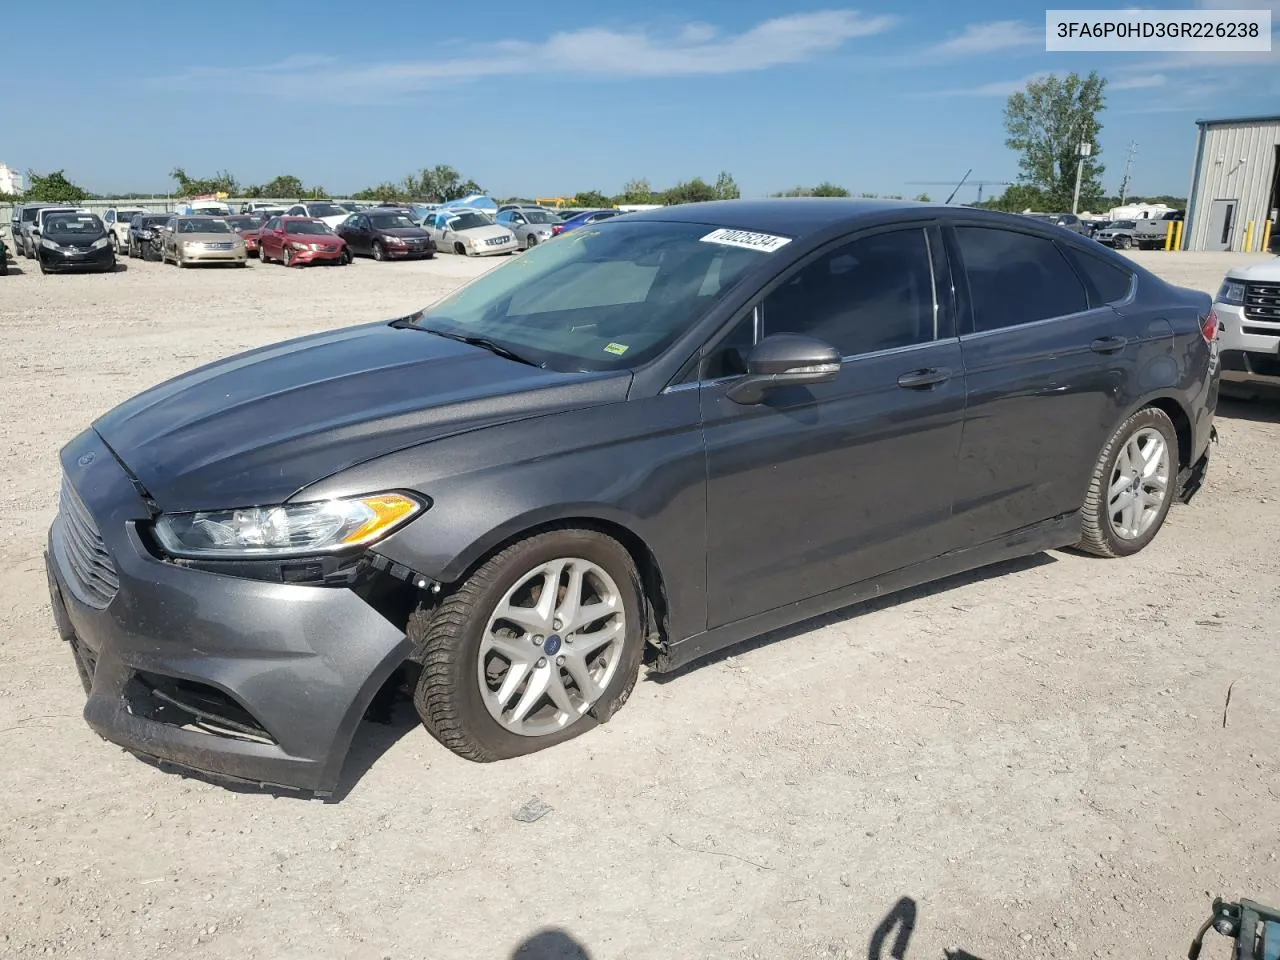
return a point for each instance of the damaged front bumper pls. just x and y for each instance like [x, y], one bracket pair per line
[242, 679]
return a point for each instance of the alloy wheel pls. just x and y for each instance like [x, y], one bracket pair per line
[551, 647]
[1139, 484]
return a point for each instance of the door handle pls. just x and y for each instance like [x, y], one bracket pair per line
[1108, 344]
[924, 379]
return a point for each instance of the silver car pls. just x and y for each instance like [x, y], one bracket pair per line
[195, 239]
[470, 233]
[531, 225]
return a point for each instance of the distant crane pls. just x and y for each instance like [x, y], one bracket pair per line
[980, 184]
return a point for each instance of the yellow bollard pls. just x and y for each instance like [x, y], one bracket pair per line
[1168, 236]
[1266, 239]
[1248, 237]
[1177, 240]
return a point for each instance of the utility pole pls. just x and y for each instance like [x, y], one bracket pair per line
[1086, 148]
[1128, 166]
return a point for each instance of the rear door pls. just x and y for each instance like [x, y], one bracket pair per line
[1049, 367]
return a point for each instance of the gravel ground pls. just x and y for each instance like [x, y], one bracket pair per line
[1034, 756]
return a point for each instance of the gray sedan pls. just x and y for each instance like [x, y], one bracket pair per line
[531, 225]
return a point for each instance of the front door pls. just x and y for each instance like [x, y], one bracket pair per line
[823, 486]
[1222, 215]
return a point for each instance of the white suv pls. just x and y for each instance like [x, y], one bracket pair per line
[116, 220]
[1248, 309]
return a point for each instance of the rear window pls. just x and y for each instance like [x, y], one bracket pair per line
[1110, 282]
[1017, 278]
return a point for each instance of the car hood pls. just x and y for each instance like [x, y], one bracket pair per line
[205, 237]
[73, 239]
[485, 232]
[256, 428]
[1268, 271]
[407, 233]
[331, 240]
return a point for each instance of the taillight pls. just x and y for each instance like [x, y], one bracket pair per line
[557, 229]
[1209, 326]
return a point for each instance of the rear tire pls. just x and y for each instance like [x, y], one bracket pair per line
[1121, 477]
[452, 638]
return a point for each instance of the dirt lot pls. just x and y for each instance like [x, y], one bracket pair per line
[1035, 756]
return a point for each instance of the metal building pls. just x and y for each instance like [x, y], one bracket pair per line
[1235, 183]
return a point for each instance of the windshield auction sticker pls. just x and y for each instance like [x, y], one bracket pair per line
[764, 242]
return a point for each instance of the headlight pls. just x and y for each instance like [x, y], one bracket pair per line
[297, 246]
[191, 245]
[48, 244]
[100, 243]
[294, 529]
[1231, 292]
[144, 234]
[395, 241]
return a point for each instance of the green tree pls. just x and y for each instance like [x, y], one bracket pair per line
[1020, 197]
[284, 187]
[591, 198]
[382, 193]
[1046, 124]
[924, 198]
[726, 187]
[53, 188]
[221, 182]
[828, 189]
[636, 191]
[696, 190]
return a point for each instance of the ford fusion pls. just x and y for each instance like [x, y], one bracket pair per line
[663, 434]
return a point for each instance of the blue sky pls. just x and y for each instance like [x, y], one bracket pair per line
[548, 98]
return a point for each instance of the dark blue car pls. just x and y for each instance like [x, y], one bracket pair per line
[582, 219]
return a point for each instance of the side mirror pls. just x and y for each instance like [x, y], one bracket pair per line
[785, 360]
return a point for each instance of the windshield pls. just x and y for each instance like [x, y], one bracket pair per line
[81, 223]
[469, 221]
[155, 221]
[1123, 224]
[203, 225]
[310, 227]
[351, 207]
[325, 210]
[127, 215]
[249, 221]
[540, 216]
[604, 298]
[392, 221]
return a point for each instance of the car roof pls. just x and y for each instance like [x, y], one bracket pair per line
[802, 216]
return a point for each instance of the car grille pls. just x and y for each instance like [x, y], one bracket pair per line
[496, 241]
[228, 245]
[85, 552]
[1262, 302]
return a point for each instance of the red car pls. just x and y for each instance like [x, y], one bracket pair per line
[248, 225]
[295, 241]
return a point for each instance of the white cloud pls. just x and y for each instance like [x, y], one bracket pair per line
[1138, 82]
[982, 38]
[997, 88]
[696, 49]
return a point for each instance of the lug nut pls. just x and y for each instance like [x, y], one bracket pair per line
[569, 638]
[558, 624]
[559, 661]
[542, 662]
[537, 640]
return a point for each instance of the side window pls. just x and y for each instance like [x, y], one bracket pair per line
[874, 293]
[1017, 278]
[1110, 282]
[506, 216]
[729, 357]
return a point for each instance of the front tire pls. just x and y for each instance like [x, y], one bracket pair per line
[460, 249]
[1123, 243]
[531, 241]
[378, 253]
[509, 668]
[1133, 486]
[288, 257]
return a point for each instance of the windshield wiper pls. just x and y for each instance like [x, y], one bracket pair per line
[484, 343]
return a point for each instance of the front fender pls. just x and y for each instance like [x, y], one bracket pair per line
[637, 464]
